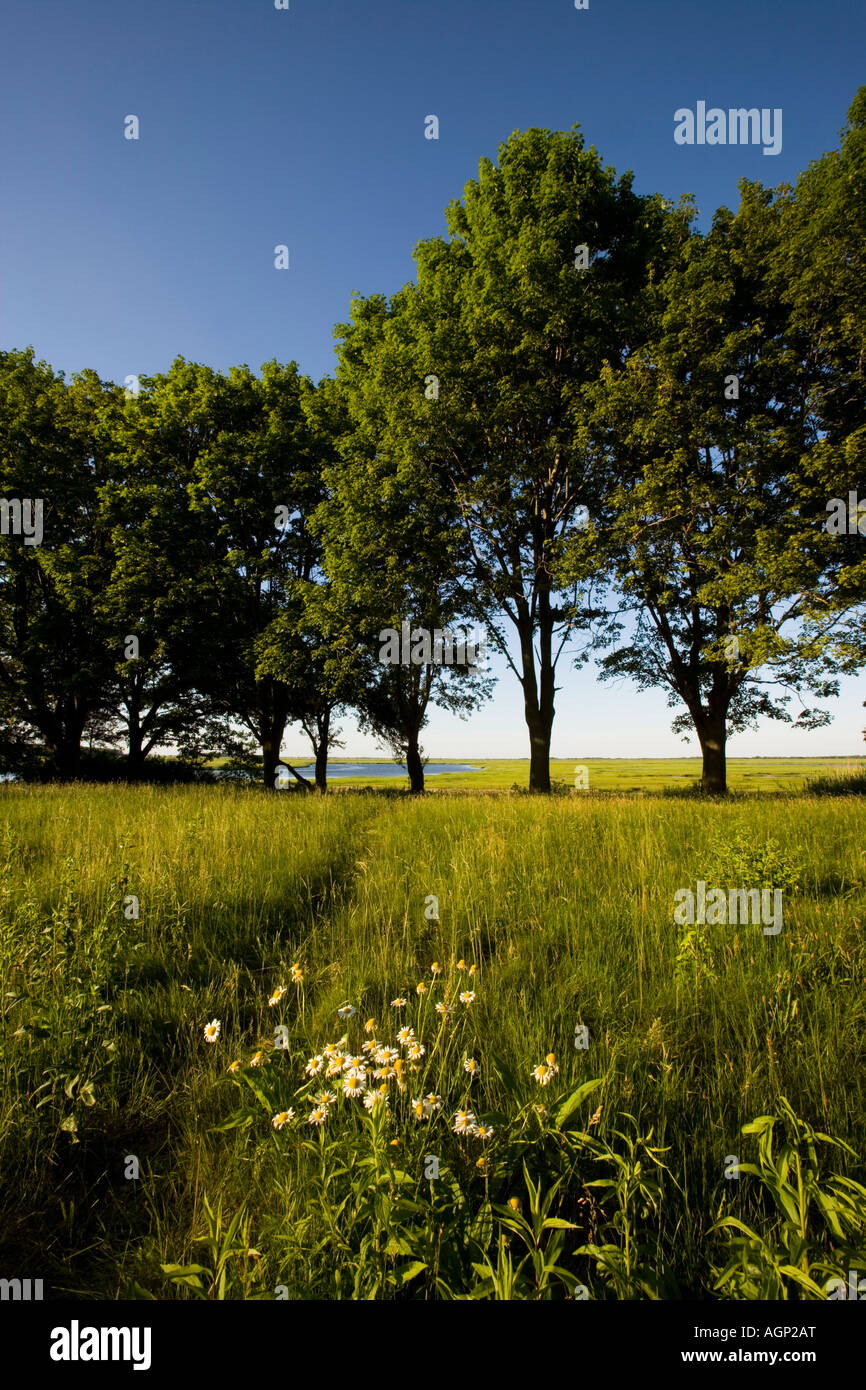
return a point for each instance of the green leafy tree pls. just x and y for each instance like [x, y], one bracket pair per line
[820, 274]
[390, 538]
[702, 436]
[550, 268]
[54, 657]
[161, 605]
[253, 492]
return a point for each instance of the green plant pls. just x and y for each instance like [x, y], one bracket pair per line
[538, 1273]
[230, 1254]
[627, 1264]
[746, 861]
[819, 1231]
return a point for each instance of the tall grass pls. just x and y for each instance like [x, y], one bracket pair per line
[565, 907]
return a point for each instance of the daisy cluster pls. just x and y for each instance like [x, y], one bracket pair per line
[368, 1076]
[383, 1065]
[381, 1068]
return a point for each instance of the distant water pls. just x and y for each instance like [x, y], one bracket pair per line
[385, 769]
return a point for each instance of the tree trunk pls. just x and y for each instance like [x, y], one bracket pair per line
[270, 758]
[272, 714]
[62, 734]
[323, 727]
[322, 767]
[414, 765]
[712, 734]
[539, 750]
[135, 745]
[538, 708]
[67, 755]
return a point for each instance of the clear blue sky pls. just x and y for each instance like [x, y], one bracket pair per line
[306, 127]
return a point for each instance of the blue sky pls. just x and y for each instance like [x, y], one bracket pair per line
[306, 127]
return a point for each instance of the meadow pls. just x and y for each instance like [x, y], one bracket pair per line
[621, 774]
[570, 1127]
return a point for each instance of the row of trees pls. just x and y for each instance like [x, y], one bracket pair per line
[585, 426]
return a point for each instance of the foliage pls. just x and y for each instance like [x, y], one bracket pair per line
[816, 1230]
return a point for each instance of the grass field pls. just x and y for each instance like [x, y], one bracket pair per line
[621, 774]
[565, 908]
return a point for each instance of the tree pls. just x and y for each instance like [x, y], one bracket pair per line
[703, 436]
[253, 491]
[390, 539]
[161, 606]
[819, 272]
[211, 534]
[54, 657]
[550, 269]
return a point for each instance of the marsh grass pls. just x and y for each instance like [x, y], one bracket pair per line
[566, 908]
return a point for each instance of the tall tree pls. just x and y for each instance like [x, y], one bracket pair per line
[702, 437]
[54, 658]
[161, 604]
[551, 268]
[820, 273]
[390, 537]
[254, 490]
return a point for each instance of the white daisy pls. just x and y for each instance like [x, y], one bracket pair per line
[542, 1073]
[464, 1122]
[212, 1030]
[282, 1119]
[376, 1098]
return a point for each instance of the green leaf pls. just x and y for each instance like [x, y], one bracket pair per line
[404, 1273]
[481, 1229]
[506, 1076]
[574, 1099]
[759, 1125]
